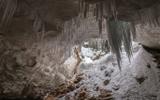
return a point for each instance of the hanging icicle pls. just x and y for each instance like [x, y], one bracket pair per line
[119, 33]
[8, 7]
[100, 16]
[149, 16]
[115, 39]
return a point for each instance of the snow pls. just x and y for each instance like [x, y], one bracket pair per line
[87, 52]
[91, 54]
[134, 82]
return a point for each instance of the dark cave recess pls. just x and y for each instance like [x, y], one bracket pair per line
[20, 98]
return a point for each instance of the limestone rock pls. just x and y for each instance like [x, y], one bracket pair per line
[148, 35]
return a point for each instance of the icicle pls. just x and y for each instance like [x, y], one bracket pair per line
[9, 10]
[133, 30]
[100, 17]
[127, 38]
[2, 4]
[115, 39]
[86, 9]
[113, 8]
[37, 24]
[149, 16]
[119, 33]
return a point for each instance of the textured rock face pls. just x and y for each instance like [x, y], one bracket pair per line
[52, 13]
[30, 70]
[148, 35]
[32, 64]
[28, 61]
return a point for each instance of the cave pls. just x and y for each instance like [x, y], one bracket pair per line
[79, 50]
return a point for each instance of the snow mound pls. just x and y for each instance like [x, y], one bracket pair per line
[138, 79]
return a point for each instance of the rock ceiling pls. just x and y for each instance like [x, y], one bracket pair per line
[52, 12]
[55, 12]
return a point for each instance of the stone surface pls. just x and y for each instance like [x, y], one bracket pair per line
[29, 64]
[30, 72]
[148, 35]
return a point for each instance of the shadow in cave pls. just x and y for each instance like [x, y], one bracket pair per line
[20, 98]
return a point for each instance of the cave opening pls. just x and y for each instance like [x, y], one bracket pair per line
[79, 50]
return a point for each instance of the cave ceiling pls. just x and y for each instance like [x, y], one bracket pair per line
[52, 12]
[55, 12]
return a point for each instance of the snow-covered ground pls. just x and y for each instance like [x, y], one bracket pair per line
[138, 79]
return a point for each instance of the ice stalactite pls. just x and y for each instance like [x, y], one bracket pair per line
[119, 32]
[8, 7]
[149, 15]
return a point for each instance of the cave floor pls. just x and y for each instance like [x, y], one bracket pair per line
[102, 80]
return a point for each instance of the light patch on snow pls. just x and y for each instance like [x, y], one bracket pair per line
[87, 60]
[134, 82]
[87, 52]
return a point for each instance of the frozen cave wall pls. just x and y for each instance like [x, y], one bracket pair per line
[34, 63]
[148, 35]
[28, 59]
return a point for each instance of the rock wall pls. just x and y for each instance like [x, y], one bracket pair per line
[148, 35]
[30, 68]
[33, 63]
